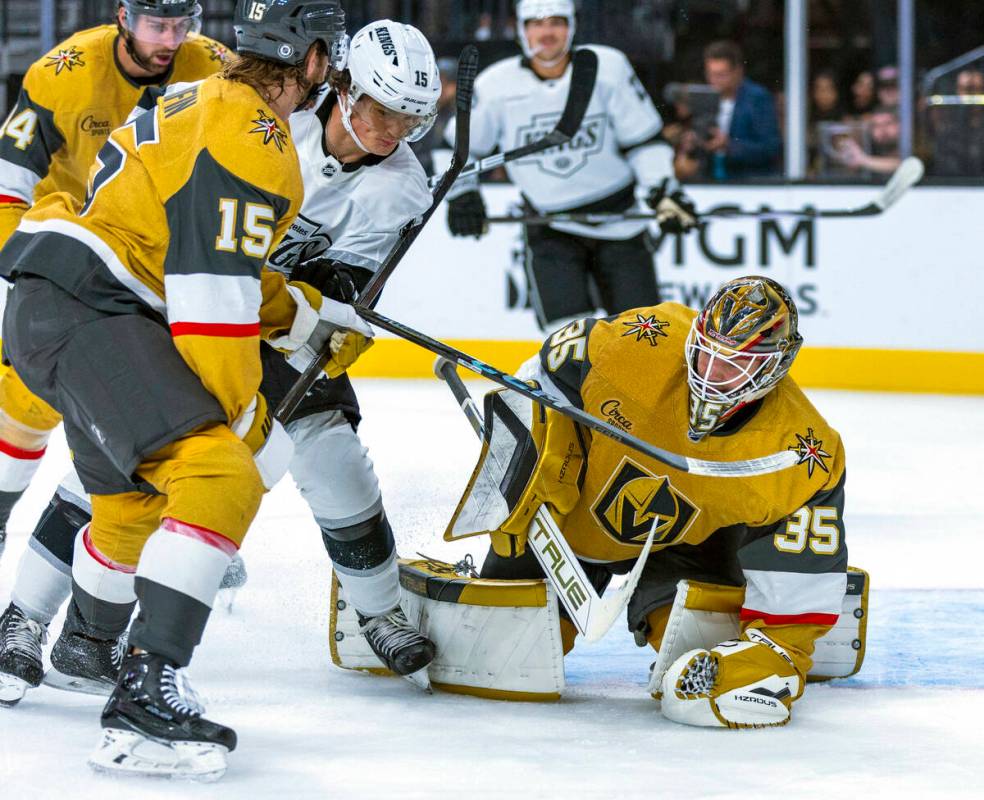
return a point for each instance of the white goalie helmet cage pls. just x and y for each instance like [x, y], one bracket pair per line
[544, 9]
[394, 64]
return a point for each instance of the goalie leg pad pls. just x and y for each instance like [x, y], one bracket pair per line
[497, 639]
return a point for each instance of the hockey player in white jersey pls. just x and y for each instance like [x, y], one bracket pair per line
[362, 186]
[572, 268]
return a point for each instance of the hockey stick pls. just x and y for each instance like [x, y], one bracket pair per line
[583, 74]
[467, 70]
[907, 175]
[722, 469]
[592, 614]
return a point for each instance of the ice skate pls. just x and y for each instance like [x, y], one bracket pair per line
[399, 645]
[233, 580]
[152, 726]
[81, 662]
[20, 655]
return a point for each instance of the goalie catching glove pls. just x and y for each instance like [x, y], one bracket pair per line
[675, 212]
[320, 320]
[748, 682]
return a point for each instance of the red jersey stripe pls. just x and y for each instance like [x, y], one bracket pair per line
[203, 535]
[220, 329]
[16, 452]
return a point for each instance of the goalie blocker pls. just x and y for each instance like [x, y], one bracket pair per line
[501, 639]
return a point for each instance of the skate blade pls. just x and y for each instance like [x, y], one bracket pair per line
[127, 753]
[12, 690]
[226, 598]
[72, 683]
[420, 679]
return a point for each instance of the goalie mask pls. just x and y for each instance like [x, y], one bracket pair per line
[394, 81]
[527, 10]
[740, 345]
[284, 30]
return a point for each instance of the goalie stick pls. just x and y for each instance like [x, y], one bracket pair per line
[467, 70]
[720, 469]
[907, 175]
[584, 72]
[592, 614]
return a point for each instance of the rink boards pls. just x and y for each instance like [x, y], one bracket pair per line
[886, 302]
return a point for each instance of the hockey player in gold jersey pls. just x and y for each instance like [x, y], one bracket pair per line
[71, 100]
[137, 315]
[714, 386]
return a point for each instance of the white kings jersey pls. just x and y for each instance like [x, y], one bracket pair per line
[352, 213]
[617, 146]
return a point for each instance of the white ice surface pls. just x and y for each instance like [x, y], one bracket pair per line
[908, 725]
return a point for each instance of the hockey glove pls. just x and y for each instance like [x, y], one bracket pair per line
[272, 448]
[466, 215]
[675, 212]
[742, 683]
[332, 323]
[332, 278]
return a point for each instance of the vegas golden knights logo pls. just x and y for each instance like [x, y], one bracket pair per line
[635, 499]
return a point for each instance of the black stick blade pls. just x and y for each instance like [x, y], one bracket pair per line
[584, 73]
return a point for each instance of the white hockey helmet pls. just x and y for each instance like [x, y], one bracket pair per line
[394, 64]
[544, 9]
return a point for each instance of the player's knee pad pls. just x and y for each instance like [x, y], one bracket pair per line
[102, 587]
[494, 638]
[210, 480]
[56, 529]
[121, 525]
[359, 545]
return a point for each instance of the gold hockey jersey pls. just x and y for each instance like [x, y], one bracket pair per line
[183, 208]
[784, 530]
[71, 100]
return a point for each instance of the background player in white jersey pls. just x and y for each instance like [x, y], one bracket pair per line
[362, 186]
[574, 268]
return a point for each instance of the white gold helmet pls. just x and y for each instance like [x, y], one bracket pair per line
[394, 64]
[544, 9]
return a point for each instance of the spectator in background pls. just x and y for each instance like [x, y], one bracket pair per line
[825, 106]
[423, 148]
[888, 87]
[884, 157]
[483, 32]
[863, 98]
[745, 142]
[958, 130]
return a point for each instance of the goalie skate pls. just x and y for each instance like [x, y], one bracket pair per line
[20, 655]
[152, 726]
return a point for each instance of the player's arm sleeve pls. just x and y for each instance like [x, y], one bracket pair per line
[29, 139]
[796, 575]
[639, 129]
[215, 286]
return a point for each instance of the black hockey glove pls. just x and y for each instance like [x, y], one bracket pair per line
[332, 278]
[466, 215]
[675, 212]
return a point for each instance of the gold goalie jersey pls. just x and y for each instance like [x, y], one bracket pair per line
[184, 204]
[71, 100]
[629, 370]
